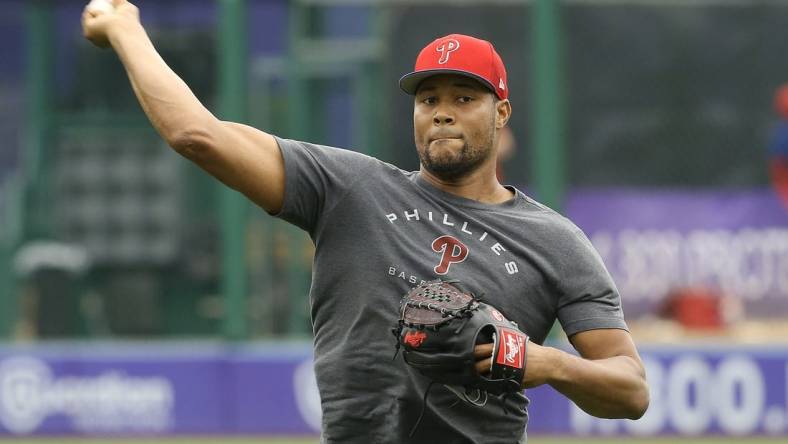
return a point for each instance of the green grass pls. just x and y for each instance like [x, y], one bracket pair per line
[532, 440]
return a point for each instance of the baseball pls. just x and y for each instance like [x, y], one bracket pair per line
[104, 6]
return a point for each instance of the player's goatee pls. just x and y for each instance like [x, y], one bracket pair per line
[451, 166]
[454, 164]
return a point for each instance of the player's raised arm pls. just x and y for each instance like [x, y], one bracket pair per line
[240, 156]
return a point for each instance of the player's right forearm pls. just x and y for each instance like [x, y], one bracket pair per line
[168, 102]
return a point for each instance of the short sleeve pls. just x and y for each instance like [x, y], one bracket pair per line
[588, 297]
[316, 178]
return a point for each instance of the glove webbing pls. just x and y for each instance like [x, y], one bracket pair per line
[465, 312]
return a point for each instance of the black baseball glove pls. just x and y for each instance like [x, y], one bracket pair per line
[438, 328]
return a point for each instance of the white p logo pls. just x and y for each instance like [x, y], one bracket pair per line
[446, 48]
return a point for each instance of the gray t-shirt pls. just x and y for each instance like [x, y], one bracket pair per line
[378, 231]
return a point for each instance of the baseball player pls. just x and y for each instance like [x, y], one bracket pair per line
[379, 231]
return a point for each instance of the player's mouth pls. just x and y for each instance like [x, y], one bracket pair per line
[444, 138]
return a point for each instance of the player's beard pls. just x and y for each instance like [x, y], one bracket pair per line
[453, 165]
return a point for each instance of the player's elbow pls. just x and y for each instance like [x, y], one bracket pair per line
[193, 143]
[639, 401]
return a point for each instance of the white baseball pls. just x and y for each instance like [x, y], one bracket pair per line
[104, 6]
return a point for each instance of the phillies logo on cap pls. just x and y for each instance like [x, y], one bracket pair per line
[477, 60]
[446, 48]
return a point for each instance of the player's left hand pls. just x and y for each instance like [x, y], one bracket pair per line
[438, 328]
[537, 370]
[483, 355]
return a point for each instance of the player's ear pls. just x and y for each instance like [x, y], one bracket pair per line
[503, 111]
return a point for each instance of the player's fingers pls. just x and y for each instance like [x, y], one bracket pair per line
[483, 366]
[482, 351]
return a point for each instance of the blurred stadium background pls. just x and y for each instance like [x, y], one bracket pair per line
[140, 299]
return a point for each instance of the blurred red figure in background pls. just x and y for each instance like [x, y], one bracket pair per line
[778, 146]
[506, 148]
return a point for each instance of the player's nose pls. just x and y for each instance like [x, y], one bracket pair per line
[442, 118]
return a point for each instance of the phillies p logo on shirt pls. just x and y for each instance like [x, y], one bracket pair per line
[446, 48]
[452, 251]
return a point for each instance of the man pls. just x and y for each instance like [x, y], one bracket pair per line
[379, 230]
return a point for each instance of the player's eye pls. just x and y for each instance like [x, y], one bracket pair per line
[465, 99]
[429, 100]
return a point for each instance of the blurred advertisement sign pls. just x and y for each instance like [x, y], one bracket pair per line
[32, 391]
[252, 390]
[131, 389]
[653, 243]
[695, 392]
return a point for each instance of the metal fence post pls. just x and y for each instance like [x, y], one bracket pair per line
[232, 59]
[548, 124]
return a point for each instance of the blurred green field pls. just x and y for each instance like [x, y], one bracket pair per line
[533, 440]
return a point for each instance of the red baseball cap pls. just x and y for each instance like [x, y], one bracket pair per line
[463, 55]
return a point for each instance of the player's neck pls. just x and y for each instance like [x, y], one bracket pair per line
[481, 185]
